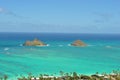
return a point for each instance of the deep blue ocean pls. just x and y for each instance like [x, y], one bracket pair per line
[101, 55]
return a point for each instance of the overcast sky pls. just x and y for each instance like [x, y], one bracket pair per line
[62, 16]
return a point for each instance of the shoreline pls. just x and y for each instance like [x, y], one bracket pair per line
[115, 75]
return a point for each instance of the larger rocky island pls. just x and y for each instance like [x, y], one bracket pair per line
[35, 42]
[79, 43]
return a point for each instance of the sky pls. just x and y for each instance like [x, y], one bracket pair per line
[60, 16]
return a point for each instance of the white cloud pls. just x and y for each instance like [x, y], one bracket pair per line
[2, 10]
[7, 12]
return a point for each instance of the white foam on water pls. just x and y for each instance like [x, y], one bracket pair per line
[108, 46]
[42, 45]
[60, 45]
[91, 45]
[112, 47]
[21, 44]
[48, 44]
[69, 44]
[5, 49]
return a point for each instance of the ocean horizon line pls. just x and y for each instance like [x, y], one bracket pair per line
[62, 33]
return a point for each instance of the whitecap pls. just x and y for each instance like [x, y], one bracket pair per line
[6, 49]
[90, 45]
[60, 45]
[69, 44]
[108, 46]
[21, 44]
[42, 45]
[48, 45]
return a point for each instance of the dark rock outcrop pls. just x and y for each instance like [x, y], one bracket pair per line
[78, 43]
[35, 42]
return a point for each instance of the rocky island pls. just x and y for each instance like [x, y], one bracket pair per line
[78, 43]
[35, 42]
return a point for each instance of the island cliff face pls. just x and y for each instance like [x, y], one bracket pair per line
[78, 43]
[35, 42]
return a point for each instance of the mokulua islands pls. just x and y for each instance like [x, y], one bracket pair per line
[35, 42]
[79, 43]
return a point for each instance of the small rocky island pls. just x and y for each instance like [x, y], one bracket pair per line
[35, 42]
[79, 43]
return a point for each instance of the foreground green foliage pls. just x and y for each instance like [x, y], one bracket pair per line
[5, 77]
[74, 76]
[115, 75]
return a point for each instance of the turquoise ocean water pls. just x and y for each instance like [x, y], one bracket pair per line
[101, 55]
